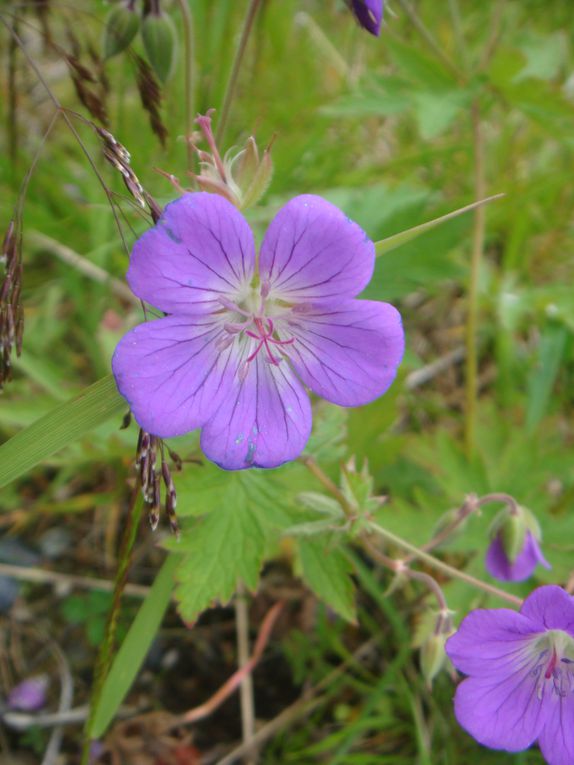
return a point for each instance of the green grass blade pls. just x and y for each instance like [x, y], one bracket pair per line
[392, 242]
[134, 648]
[61, 426]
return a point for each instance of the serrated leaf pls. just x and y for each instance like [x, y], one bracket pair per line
[326, 570]
[133, 650]
[326, 443]
[226, 546]
[63, 425]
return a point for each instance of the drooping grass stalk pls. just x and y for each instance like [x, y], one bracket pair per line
[189, 83]
[107, 648]
[471, 377]
[252, 9]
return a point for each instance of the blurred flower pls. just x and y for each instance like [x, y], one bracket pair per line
[501, 567]
[29, 695]
[520, 687]
[239, 342]
[514, 551]
[369, 14]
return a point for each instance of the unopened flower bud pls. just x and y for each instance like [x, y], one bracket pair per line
[122, 25]
[432, 656]
[514, 551]
[160, 42]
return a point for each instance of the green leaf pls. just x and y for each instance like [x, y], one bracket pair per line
[543, 377]
[392, 242]
[326, 570]
[59, 427]
[134, 649]
[225, 546]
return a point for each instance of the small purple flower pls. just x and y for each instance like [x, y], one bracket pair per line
[520, 687]
[501, 567]
[29, 695]
[242, 335]
[369, 14]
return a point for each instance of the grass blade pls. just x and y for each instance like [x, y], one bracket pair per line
[63, 425]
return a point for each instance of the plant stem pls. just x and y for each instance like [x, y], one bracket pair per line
[476, 258]
[439, 565]
[246, 687]
[106, 650]
[189, 95]
[237, 62]
[428, 37]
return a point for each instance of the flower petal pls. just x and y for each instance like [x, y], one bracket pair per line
[504, 711]
[347, 352]
[264, 422]
[499, 566]
[490, 641]
[551, 607]
[201, 248]
[172, 374]
[312, 251]
[369, 14]
[557, 738]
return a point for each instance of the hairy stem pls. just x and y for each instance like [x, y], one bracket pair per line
[476, 259]
[246, 687]
[189, 95]
[236, 67]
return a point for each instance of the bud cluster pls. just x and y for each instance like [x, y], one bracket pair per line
[151, 479]
[11, 309]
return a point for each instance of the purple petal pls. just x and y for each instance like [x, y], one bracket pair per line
[29, 695]
[200, 249]
[502, 711]
[551, 608]
[312, 251]
[172, 374]
[369, 14]
[557, 738]
[264, 422]
[489, 641]
[499, 566]
[347, 352]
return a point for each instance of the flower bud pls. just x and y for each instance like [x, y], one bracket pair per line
[514, 551]
[432, 656]
[160, 42]
[122, 25]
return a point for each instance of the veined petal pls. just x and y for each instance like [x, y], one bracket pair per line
[491, 642]
[504, 711]
[557, 738]
[172, 374]
[200, 249]
[264, 421]
[499, 566]
[551, 607]
[347, 352]
[312, 251]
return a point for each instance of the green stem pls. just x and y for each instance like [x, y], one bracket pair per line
[107, 648]
[237, 62]
[476, 259]
[189, 95]
[444, 568]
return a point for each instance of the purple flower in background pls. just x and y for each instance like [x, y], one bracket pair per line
[520, 687]
[499, 565]
[29, 695]
[369, 14]
[243, 336]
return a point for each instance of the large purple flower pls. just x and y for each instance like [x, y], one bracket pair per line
[369, 14]
[242, 336]
[520, 687]
[499, 565]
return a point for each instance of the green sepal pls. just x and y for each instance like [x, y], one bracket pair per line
[159, 37]
[122, 25]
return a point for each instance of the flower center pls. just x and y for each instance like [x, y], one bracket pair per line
[256, 311]
[555, 663]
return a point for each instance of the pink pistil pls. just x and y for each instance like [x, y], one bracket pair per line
[266, 338]
[551, 665]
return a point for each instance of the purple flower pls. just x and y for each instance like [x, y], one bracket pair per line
[243, 336]
[520, 687]
[499, 565]
[29, 695]
[369, 14]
